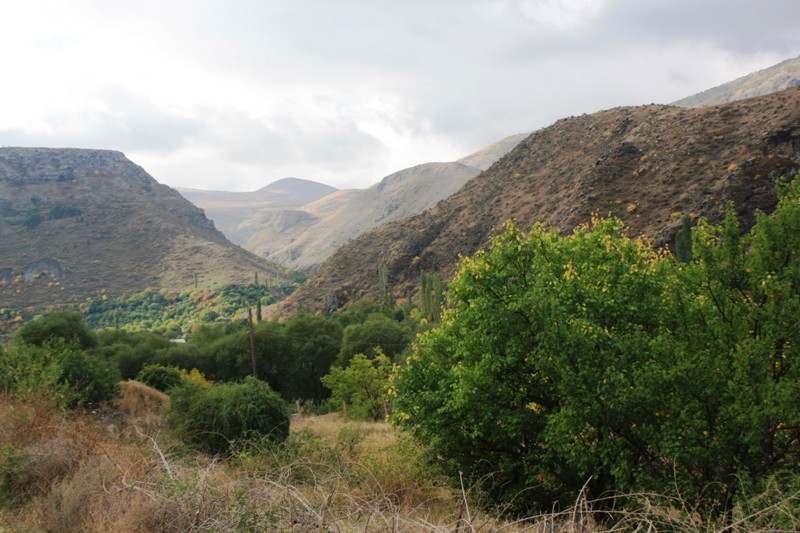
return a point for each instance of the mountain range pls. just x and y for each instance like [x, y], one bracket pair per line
[238, 215]
[78, 224]
[648, 165]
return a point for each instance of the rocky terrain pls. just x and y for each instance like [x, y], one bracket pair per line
[648, 165]
[76, 224]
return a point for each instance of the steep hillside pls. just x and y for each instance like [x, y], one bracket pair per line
[239, 214]
[775, 78]
[80, 223]
[648, 165]
[303, 238]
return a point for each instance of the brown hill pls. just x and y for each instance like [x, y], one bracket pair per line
[776, 78]
[648, 165]
[80, 223]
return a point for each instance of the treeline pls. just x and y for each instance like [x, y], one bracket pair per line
[170, 314]
[291, 356]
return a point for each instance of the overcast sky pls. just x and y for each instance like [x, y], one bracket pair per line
[236, 94]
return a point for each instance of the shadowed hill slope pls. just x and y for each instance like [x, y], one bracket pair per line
[648, 165]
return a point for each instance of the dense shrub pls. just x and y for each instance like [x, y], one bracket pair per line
[160, 377]
[61, 325]
[58, 370]
[215, 419]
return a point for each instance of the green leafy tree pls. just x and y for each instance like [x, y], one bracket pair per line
[160, 377]
[378, 332]
[218, 418]
[363, 385]
[592, 359]
[60, 325]
[130, 351]
[314, 343]
[358, 312]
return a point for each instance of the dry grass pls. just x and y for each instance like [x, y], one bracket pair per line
[138, 400]
[111, 472]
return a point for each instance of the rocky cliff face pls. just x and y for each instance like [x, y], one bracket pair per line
[80, 223]
[648, 165]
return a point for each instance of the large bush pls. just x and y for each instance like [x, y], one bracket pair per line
[61, 325]
[215, 419]
[160, 377]
[592, 359]
[61, 371]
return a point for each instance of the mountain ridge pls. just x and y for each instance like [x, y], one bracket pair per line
[342, 216]
[238, 214]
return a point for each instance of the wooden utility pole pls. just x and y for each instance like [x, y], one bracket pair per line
[252, 341]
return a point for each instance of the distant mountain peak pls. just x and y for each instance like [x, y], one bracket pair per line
[298, 184]
[784, 75]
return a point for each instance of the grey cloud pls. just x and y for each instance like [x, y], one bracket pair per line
[127, 122]
[234, 134]
[472, 71]
[743, 26]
